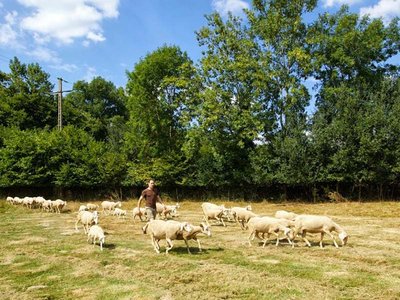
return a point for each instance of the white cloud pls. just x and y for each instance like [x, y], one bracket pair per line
[45, 54]
[65, 67]
[385, 9]
[330, 3]
[225, 6]
[67, 20]
[8, 34]
[90, 73]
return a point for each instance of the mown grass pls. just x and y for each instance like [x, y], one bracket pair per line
[43, 257]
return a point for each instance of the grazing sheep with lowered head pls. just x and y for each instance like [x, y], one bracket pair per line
[318, 224]
[96, 233]
[87, 218]
[168, 230]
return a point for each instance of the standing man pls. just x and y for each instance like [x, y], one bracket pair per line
[152, 196]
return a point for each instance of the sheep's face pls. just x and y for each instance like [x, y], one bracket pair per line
[289, 233]
[343, 237]
[186, 227]
[205, 229]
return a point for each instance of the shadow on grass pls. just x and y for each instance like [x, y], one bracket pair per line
[109, 246]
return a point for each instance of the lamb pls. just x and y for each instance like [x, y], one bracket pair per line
[192, 235]
[109, 206]
[91, 206]
[283, 214]
[138, 212]
[269, 226]
[47, 205]
[96, 233]
[242, 215]
[87, 218]
[212, 212]
[58, 205]
[318, 224]
[119, 212]
[168, 230]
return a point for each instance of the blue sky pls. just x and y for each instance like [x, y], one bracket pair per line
[80, 39]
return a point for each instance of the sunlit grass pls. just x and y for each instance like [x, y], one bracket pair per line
[43, 257]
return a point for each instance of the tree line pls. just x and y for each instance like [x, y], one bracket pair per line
[234, 122]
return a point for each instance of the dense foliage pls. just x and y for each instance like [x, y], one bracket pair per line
[237, 118]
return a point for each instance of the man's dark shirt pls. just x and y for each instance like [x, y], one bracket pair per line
[151, 197]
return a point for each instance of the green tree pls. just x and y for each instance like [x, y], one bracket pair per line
[157, 90]
[26, 97]
[99, 108]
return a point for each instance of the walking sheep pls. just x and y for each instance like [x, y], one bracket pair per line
[96, 233]
[318, 224]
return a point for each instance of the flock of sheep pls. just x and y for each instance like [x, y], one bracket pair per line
[284, 224]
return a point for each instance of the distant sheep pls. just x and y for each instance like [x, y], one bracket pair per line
[83, 208]
[242, 215]
[96, 233]
[119, 212]
[318, 224]
[283, 214]
[91, 206]
[109, 206]
[168, 230]
[138, 212]
[58, 205]
[212, 212]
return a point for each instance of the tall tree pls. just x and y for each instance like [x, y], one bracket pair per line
[157, 95]
[26, 97]
[97, 107]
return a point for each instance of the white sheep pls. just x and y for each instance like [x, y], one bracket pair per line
[318, 224]
[109, 206]
[58, 205]
[267, 225]
[83, 208]
[211, 211]
[96, 233]
[242, 215]
[119, 212]
[27, 201]
[87, 218]
[192, 235]
[10, 200]
[283, 214]
[91, 206]
[169, 210]
[138, 212]
[47, 205]
[168, 230]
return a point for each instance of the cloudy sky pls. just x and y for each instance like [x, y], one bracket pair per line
[80, 39]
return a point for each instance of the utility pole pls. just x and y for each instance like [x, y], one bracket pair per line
[59, 116]
[60, 93]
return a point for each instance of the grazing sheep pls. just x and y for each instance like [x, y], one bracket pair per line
[213, 212]
[138, 212]
[83, 208]
[10, 200]
[283, 214]
[318, 224]
[109, 206]
[47, 205]
[242, 215]
[91, 206]
[58, 205]
[267, 225]
[192, 235]
[119, 212]
[96, 233]
[27, 201]
[168, 230]
[39, 201]
[87, 218]
[166, 210]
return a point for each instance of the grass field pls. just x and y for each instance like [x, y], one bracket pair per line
[43, 257]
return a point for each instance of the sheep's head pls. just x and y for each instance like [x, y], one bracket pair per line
[343, 236]
[205, 229]
[185, 226]
[289, 233]
[248, 207]
[95, 217]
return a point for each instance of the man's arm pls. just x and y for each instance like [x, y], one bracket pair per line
[139, 201]
[159, 200]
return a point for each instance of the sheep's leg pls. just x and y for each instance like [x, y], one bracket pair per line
[277, 238]
[187, 246]
[320, 241]
[198, 243]
[303, 236]
[169, 245]
[222, 222]
[76, 225]
[252, 236]
[333, 238]
[206, 220]
[266, 240]
[155, 244]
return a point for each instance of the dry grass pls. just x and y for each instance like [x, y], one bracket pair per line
[42, 257]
